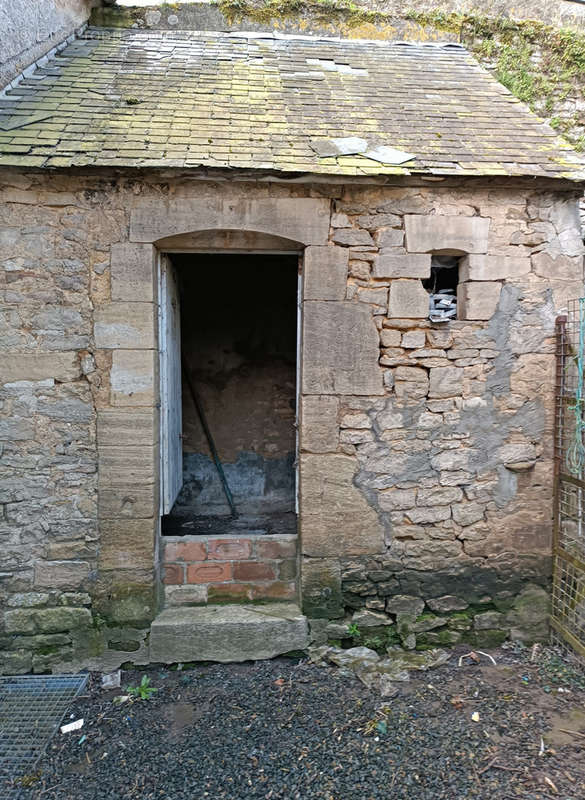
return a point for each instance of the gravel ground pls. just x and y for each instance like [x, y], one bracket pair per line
[288, 729]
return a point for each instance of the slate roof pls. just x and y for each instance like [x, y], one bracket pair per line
[135, 98]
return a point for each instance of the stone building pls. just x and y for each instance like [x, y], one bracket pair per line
[232, 243]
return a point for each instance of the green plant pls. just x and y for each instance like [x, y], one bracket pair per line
[374, 642]
[143, 691]
[353, 630]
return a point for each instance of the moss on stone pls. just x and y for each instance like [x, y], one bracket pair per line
[486, 638]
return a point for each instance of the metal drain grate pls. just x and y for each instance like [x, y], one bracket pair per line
[31, 709]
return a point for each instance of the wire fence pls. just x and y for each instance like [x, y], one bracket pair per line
[568, 596]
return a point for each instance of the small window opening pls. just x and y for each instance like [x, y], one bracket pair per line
[442, 288]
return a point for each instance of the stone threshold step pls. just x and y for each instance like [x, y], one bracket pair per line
[227, 633]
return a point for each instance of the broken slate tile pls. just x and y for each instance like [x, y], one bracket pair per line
[388, 155]
[351, 145]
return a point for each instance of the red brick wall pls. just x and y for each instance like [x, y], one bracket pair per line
[201, 569]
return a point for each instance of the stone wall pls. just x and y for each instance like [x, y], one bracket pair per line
[29, 30]
[426, 457]
[443, 485]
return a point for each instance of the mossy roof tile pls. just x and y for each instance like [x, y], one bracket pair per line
[169, 98]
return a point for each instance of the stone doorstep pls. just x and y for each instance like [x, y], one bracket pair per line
[228, 633]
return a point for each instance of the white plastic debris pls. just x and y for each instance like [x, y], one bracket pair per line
[112, 681]
[121, 698]
[442, 305]
[72, 726]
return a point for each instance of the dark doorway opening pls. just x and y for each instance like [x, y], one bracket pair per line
[239, 348]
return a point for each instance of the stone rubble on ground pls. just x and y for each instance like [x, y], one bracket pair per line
[378, 673]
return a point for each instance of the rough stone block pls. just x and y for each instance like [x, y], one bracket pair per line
[321, 588]
[488, 620]
[340, 350]
[478, 299]
[378, 297]
[390, 337]
[52, 620]
[352, 237]
[468, 513]
[121, 427]
[492, 268]
[304, 220]
[319, 426]
[27, 600]
[408, 299]
[127, 544]
[133, 377]
[62, 367]
[397, 499]
[336, 519]
[559, 267]
[408, 605]
[413, 340]
[529, 616]
[405, 265]
[132, 271]
[129, 326]
[325, 273]
[446, 382]
[447, 603]
[227, 633]
[20, 621]
[449, 235]
[60, 574]
[424, 516]
[439, 496]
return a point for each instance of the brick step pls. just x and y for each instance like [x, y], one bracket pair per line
[229, 569]
[227, 633]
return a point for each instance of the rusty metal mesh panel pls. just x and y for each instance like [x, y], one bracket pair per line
[568, 597]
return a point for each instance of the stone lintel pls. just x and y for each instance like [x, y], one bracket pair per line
[446, 234]
[492, 268]
[302, 220]
[405, 265]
